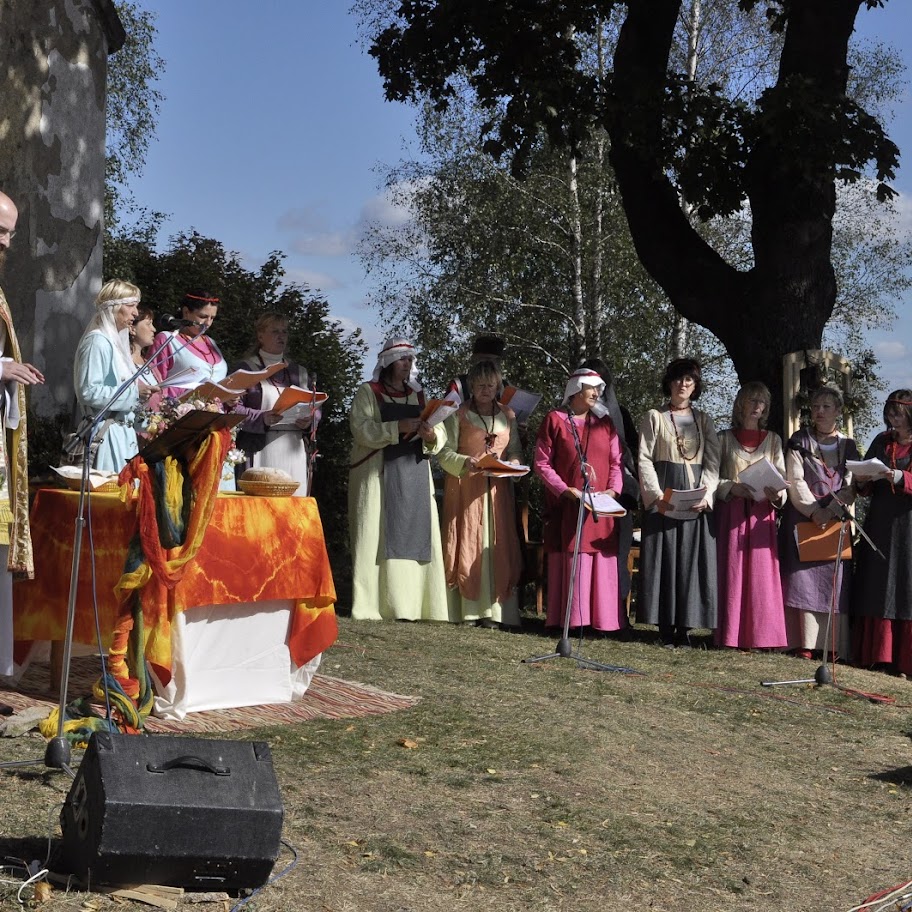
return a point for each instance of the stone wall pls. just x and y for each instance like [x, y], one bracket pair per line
[53, 68]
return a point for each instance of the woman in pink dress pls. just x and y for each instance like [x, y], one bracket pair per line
[596, 598]
[751, 612]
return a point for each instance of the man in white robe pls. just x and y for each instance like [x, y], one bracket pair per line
[15, 544]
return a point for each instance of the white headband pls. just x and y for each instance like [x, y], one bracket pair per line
[394, 349]
[580, 378]
[115, 301]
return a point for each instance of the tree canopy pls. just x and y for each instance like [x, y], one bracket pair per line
[678, 147]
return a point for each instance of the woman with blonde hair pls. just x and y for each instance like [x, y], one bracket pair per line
[103, 362]
[818, 482]
[751, 613]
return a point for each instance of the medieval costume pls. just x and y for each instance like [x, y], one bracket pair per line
[678, 575]
[882, 590]
[751, 612]
[817, 476]
[397, 559]
[15, 540]
[482, 556]
[563, 435]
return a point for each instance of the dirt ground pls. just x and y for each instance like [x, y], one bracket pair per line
[513, 786]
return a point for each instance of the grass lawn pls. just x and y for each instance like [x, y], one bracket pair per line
[546, 787]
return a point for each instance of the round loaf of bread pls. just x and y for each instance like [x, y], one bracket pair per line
[275, 476]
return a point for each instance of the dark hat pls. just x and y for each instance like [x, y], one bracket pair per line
[487, 344]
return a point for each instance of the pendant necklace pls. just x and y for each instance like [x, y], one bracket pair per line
[681, 440]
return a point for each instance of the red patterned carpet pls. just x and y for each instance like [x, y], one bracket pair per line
[326, 698]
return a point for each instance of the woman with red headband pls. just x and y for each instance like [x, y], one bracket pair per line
[190, 351]
[397, 557]
[882, 590]
[577, 442]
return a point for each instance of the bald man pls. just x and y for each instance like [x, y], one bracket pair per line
[15, 542]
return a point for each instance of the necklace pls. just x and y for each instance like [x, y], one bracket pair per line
[393, 393]
[681, 440]
[490, 436]
[284, 374]
[207, 353]
[588, 470]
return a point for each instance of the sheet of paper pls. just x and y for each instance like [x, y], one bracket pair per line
[604, 504]
[497, 468]
[867, 468]
[759, 476]
[521, 401]
[681, 502]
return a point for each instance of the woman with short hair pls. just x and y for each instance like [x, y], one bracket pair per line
[679, 449]
[482, 556]
[267, 439]
[751, 613]
[882, 590]
[816, 470]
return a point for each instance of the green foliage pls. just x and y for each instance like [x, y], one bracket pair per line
[316, 340]
[132, 106]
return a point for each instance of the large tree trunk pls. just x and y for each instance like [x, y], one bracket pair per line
[782, 304]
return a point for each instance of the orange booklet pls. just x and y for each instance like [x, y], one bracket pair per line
[296, 395]
[233, 385]
[816, 544]
[497, 468]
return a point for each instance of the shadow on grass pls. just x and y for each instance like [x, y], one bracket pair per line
[902, 775]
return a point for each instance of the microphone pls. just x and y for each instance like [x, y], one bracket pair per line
[169, 321]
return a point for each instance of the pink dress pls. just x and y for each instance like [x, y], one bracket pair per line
[596, 598]
[751, 610]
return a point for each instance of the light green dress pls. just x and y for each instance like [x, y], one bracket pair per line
[386, 589]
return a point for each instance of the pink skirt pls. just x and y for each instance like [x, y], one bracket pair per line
[596, 598]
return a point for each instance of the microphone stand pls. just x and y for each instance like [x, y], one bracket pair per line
[825, 672]
[312, 451]
[564, 650]
[58, 752]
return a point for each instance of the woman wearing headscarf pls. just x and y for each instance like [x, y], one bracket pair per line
[882, 589]
[397, 559]
[629, 496]
[578, 442]
[267, 439]
[103, 362]
[751, 613]
[679, 449]
[482, 556]
[816, 470]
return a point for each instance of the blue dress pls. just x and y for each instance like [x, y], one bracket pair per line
[96, 380]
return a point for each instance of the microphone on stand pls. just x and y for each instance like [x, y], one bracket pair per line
[169, 321]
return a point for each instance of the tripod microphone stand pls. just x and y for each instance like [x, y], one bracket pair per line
[58, 752]
[825, 672]
[564, 650]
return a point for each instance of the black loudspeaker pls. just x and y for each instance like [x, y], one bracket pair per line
[183, 812]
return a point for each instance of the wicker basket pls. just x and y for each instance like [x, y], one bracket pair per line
[269, 488]
[109, 487]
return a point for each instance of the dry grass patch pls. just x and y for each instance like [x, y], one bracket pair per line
[547, 787]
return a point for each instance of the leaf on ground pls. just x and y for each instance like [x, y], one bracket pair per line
[407, 743]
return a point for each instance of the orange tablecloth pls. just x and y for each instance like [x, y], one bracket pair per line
[255, 549]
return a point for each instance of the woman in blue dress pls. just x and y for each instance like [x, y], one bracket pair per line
[103, 362]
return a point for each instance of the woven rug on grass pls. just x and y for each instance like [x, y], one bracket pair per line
[326, 698]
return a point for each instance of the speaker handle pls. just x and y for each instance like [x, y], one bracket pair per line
[189, 761]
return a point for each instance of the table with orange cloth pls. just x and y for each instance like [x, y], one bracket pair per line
[247, 623]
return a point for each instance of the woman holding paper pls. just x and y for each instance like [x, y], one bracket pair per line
[575, 442]
[882, 590]
[751, 612]
[679, 451]
[818, 480]
[103, 362]
[482, 556]
[191, 352]
[397, 559]
[270, 438]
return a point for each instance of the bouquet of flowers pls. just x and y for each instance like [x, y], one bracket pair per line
[155, 421]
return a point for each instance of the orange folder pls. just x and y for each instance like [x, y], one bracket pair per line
[816, 544]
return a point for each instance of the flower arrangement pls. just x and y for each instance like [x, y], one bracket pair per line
[156, 421]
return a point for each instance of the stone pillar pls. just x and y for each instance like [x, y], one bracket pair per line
[52, 164]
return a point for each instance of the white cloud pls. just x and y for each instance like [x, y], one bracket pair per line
[319, 281]
[891, 350]
[332, 243]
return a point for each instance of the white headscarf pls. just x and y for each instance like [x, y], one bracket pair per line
[393, 349]
[105, 323]
[581, 377]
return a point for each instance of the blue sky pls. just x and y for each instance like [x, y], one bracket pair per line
[274, 123]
